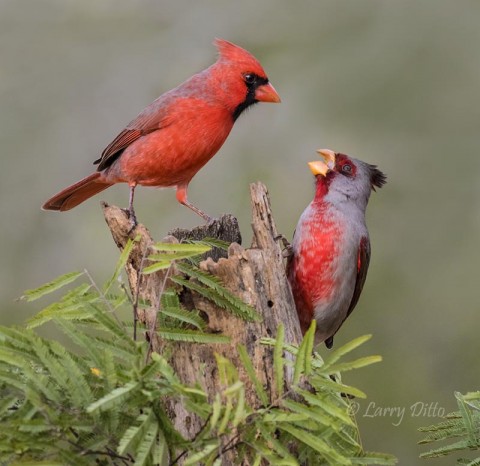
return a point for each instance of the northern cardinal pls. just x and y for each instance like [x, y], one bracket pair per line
[330, 251]
[178, 133]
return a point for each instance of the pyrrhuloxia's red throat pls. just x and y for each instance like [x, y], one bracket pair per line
[331, 247]
[177, 134]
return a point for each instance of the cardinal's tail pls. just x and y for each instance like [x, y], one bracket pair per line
[70, 197]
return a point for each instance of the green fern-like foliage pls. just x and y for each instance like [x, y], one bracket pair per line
[461, 429]
[100, 398]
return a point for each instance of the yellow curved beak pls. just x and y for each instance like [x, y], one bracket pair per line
[322, 167]
[318, 168]
[328, 156]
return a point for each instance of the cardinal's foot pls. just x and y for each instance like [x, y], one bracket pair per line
[133, 219]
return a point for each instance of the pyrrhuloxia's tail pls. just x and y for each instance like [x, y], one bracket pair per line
[70, 197]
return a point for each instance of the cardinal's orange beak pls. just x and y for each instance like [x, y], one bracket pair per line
[267, 93]
[322, 167]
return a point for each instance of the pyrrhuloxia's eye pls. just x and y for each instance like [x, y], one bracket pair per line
[347, 168]
[250, 78]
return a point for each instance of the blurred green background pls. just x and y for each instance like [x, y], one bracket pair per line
[396, 83]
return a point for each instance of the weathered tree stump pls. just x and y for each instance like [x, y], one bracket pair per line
[256, 275]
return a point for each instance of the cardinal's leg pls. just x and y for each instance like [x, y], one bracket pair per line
[131, 211]
[182, 198]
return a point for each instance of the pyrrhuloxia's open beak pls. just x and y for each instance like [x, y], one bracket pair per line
[267, 93]
[328, 156]
[322, 167]
[319, 168]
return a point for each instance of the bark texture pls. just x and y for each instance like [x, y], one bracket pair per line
[255, 274]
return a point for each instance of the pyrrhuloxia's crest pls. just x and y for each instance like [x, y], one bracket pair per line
[377, 177]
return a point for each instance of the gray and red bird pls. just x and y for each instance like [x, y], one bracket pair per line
[178, 133]
[330, 251]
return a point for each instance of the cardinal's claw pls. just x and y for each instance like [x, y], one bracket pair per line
[211, 220]
[133, 219]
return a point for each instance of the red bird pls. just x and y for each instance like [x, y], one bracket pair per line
[178, 133]
[330, 251]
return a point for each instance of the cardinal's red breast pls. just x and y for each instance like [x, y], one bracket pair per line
[195, 132]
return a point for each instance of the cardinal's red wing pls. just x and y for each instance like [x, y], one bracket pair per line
[113, 150]
[153, 118]
[363, 261]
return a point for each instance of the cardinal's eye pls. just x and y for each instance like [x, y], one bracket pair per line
[347, 168]
[250, 78]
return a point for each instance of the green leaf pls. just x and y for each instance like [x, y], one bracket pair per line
[316, 443]
[12, 381]
[471, 430]
[235, 388]
[475, 462]
[75, 381]
[471, 396]
[9, 357]
[269, 449]
[86, 342]
[325, 383]
[158, 265]
[278, 361]
[171, 256]
[17, 338]
[330, 408]
[227, 412]
[309, 340]
[356, 364]
[197, 458]
[114, 398]
[247, 364]
[314, 417]
[226, 370]
[146, 445]
[38, 463]
[165, 369]
[375, 458]
[188, 317]
[72, 306]
[172, 252]
[160, 451]
[7, 403]
[194, 248]
[446, 450]
[214, 243]
[109, 324]
[338, 353]
[303, 364]
[222, 297]
[237, 308]
[241, 411]
[122, 261]
[192, 336]
[170, 298]
[216, 411]
[275, 417]
[282, 455]
[63, 280]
